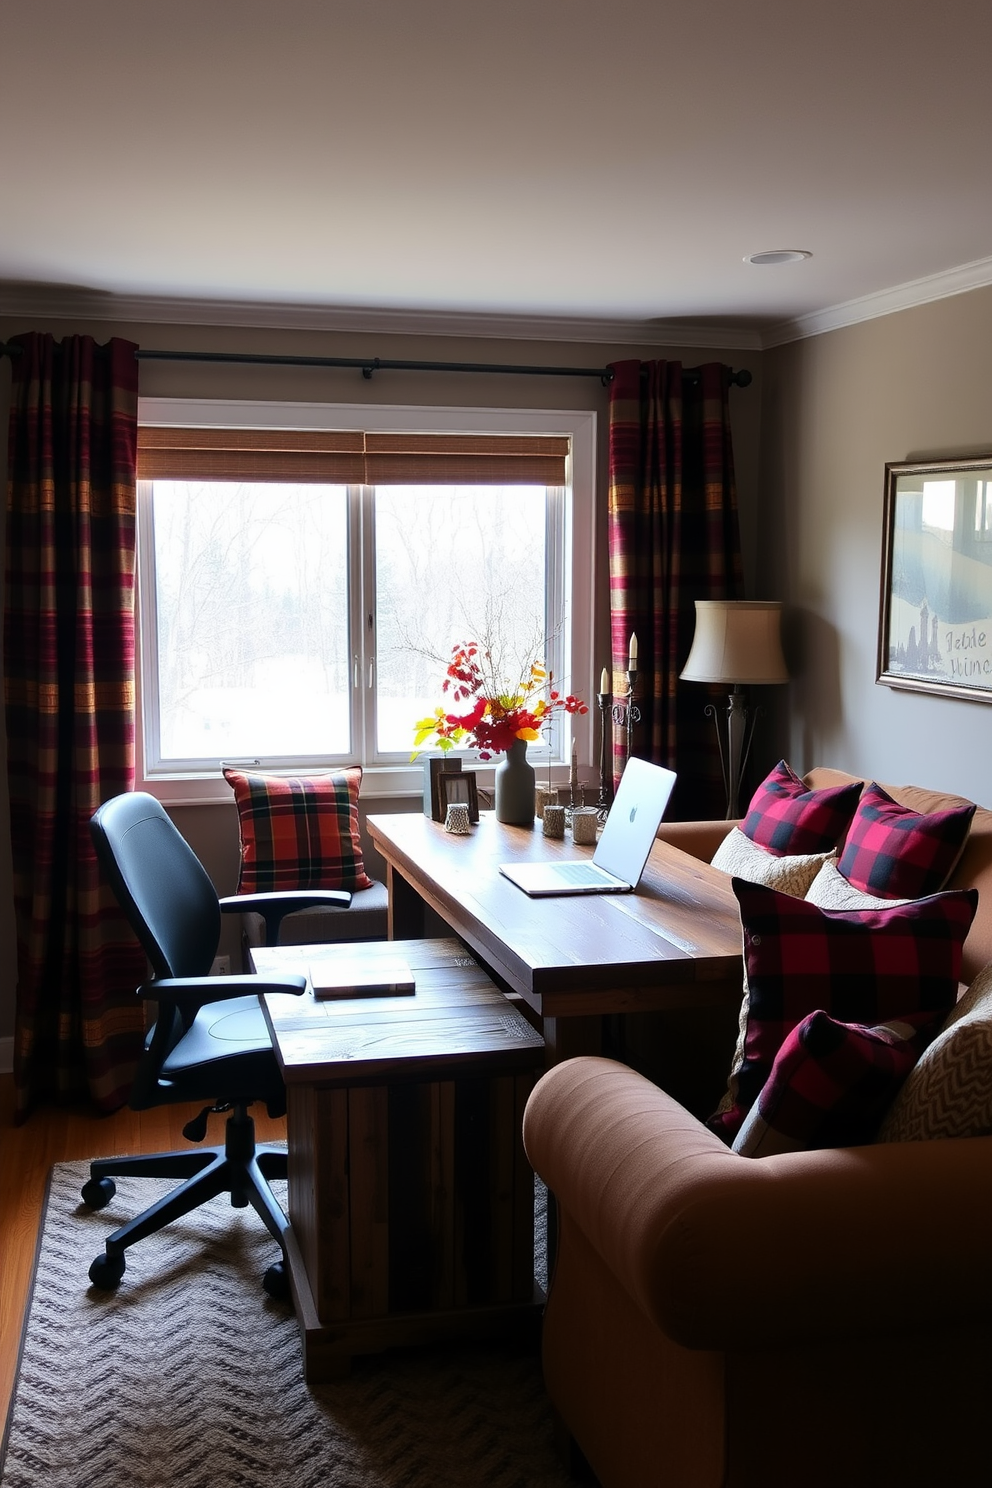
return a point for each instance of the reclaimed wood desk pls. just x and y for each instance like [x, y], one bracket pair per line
[675, 943]
[411, 1202]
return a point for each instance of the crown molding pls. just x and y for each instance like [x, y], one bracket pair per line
[67, 303]
[59, 303]
[975, 275]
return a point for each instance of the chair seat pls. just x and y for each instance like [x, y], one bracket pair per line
[226, 1045]
[366, 919]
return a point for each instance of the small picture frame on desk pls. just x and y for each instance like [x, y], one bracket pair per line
[459, 786]
[436, 765]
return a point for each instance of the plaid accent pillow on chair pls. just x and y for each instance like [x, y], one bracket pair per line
[898, 853]
[830, 1085]
[299, 831]
[785, 817]
[864, 966]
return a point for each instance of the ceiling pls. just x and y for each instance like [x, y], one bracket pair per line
[610, 161]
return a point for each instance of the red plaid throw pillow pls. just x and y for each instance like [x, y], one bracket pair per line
[899, 854]
[787, 818]
[830, 1085]
[860, 966]
[299, 831]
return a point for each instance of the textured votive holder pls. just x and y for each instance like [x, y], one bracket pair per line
[542, 795]
[554, 820]
[456, 818]
[585, 823]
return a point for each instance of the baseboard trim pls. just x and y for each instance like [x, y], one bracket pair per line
[6, 1056]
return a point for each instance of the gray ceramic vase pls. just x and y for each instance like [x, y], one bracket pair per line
[515, 787]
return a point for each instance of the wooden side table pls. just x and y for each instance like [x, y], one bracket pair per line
[411, 1202]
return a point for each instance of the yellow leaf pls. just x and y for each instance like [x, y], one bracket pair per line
[531, 735]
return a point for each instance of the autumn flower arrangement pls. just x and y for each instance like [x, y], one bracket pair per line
[494, 714]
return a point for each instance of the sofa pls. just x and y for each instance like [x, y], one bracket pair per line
[815, 1319]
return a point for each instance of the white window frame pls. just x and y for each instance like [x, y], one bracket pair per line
[384, 780]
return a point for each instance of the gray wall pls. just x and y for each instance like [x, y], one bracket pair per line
[212, 830]
[836, 407]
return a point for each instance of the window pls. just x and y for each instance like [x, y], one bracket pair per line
[300, 587]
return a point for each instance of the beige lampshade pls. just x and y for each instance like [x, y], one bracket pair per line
[736, 641]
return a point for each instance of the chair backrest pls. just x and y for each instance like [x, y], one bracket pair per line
[160, 883]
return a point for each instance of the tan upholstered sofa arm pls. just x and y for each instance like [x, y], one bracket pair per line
[698, 838]
[723, 1251]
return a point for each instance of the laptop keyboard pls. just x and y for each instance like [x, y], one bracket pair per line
[581, 873]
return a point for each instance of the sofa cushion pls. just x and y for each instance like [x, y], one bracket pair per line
[949, 1092]
[299, 831]
[738, 855]
[786, 817]
[829, 1086]
[866, 966]
[895, 852]
[831, 890]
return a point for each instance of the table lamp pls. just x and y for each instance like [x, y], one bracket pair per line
[737, 641]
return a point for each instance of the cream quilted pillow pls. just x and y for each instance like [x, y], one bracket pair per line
[948, 1093]
[743, 858]
[831, 890]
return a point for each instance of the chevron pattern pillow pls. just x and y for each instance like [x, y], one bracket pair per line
[949, 1092]
[785, 817]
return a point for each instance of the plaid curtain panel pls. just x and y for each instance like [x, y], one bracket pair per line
[673, 539]
[69, 696]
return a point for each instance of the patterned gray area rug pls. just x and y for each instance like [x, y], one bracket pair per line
[190, 1375]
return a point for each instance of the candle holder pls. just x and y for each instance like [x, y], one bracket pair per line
[603, 701]
[624, 713]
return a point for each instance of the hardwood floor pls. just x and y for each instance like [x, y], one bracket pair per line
[62, 1134]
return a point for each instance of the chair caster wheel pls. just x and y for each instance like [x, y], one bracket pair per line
[276, 1281]
[106, 1272]
[98, 1192]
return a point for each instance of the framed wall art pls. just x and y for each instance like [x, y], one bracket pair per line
[935, 612]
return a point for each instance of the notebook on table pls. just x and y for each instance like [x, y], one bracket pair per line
[625, 842]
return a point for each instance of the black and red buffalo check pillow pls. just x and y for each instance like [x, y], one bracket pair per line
[830, 1085]
[786, 818]
[860, 966]
[299, 831]
[898, 853]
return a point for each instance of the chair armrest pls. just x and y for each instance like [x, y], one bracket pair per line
[699, 838]
[721, 1251]
[198, 990]
[275, 905]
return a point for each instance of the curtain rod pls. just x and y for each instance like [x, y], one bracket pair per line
[371, 365]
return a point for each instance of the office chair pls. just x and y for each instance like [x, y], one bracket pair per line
[209, 1040]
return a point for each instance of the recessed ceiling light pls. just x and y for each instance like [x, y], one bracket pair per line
[778, 256]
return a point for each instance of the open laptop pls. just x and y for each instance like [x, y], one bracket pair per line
[618, 862]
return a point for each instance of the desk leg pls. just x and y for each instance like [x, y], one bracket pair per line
[406, 908]
[566, 1038]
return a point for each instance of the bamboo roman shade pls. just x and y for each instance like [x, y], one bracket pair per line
[351, 457]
